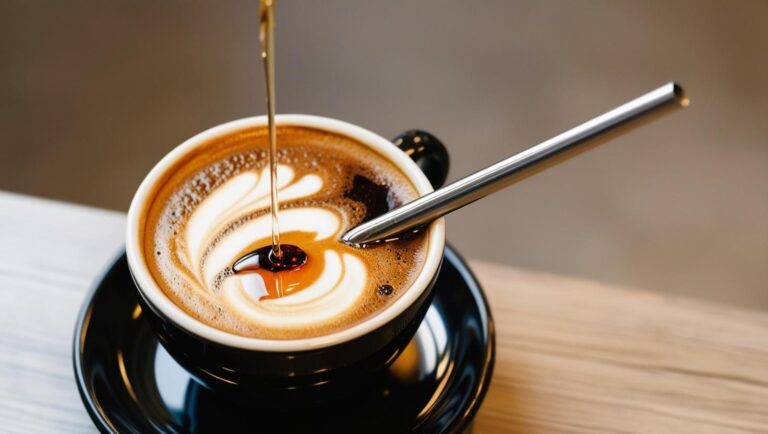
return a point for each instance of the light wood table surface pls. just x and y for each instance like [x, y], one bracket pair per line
[573, 355]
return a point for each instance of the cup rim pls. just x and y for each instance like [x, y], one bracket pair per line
[154, 295]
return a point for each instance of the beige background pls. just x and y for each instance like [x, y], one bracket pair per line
[93, 93]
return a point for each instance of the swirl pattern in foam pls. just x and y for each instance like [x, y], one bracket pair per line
[213, 208]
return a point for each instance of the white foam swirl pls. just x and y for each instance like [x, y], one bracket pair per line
[339, 286]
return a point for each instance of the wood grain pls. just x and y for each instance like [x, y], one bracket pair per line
[50, 253]
[573, 355]
[576, 356]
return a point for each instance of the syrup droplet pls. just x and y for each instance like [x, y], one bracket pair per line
[264, 258]
[385, 290]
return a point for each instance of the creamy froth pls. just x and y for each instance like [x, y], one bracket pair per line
[213, 208]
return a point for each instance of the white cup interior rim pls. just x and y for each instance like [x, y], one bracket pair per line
[157, 298]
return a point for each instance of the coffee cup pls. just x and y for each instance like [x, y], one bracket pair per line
[288, 368]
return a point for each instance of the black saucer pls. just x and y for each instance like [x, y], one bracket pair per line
[128, 382]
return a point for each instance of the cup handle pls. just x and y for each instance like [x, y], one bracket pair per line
[428, 153]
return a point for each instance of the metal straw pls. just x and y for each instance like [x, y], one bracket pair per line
[520, 166]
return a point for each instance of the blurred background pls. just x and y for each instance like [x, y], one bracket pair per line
[94, 93]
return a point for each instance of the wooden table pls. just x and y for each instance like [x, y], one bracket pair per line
[573, 355]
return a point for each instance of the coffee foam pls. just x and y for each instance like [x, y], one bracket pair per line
[213, 208]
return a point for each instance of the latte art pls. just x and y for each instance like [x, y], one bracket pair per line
[335, 291]
[215, 209]
[248, 193]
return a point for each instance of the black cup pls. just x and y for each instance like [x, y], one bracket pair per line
[304, 375]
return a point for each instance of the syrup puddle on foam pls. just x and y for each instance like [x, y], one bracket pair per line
[332, 282]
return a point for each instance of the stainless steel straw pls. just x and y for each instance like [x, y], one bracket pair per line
[518, 167]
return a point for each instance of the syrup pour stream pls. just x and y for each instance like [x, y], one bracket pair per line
[273, 258]
[277, 257]
[267, 37]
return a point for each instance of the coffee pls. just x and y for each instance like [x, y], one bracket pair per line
[212, 206]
